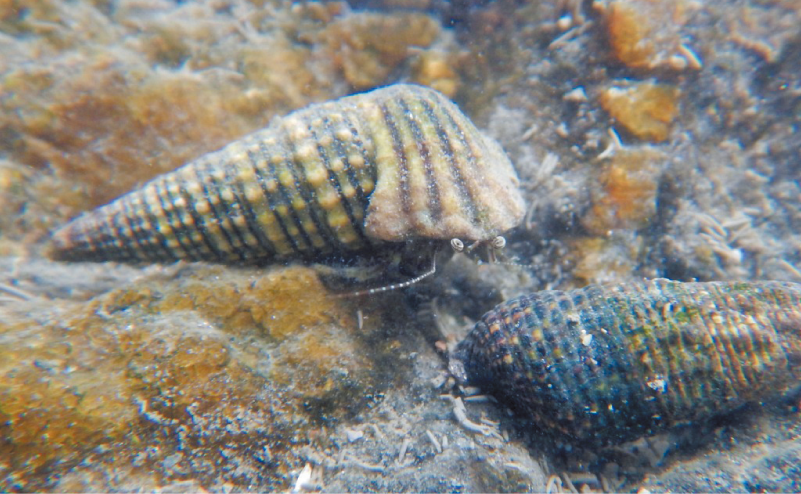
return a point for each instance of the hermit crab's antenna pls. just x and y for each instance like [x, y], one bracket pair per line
[394, 286]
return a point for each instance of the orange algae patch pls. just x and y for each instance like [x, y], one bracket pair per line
[603, 260]
[293, 298]
[161, 369]
[277, 302]
[54, 404]
[629, 36]
[367, 47]
[321, 355]
[320, 362]
[113, 123]
[626, 197]
[317, 349]
[646, 34]
[645, 110]
[436, 70]
[46, 412]
[24, 221]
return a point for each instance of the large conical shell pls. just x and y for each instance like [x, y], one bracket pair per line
[395, 164]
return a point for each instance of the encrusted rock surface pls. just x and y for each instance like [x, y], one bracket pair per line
[223, 378]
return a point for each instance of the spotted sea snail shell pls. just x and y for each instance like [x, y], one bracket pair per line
[605, 364]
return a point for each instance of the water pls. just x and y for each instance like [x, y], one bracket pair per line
[650, 139]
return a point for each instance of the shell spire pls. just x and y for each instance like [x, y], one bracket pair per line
[393, 165]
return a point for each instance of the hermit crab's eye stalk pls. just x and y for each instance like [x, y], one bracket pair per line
[481, 250]
[498, 243]
[457, 245]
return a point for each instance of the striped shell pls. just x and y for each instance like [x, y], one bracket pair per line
[393, 165]
[602, 365]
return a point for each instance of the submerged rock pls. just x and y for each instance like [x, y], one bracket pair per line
[213, 376]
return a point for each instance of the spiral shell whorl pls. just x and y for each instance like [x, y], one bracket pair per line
[396, 164]
[607, 364]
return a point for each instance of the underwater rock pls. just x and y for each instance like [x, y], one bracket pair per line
[647, 34]
[624, 196]
[366, 47]
[604, 258]
[645, 110]
[215, 377]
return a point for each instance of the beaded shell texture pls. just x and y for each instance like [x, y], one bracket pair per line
[396, 165]
[605, 364]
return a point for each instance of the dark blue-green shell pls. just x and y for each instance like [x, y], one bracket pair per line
[606, 364]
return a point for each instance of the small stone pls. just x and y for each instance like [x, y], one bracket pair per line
[353, 435]
[647, 34]
[577, 95]
[646, 110]
[624, 194]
